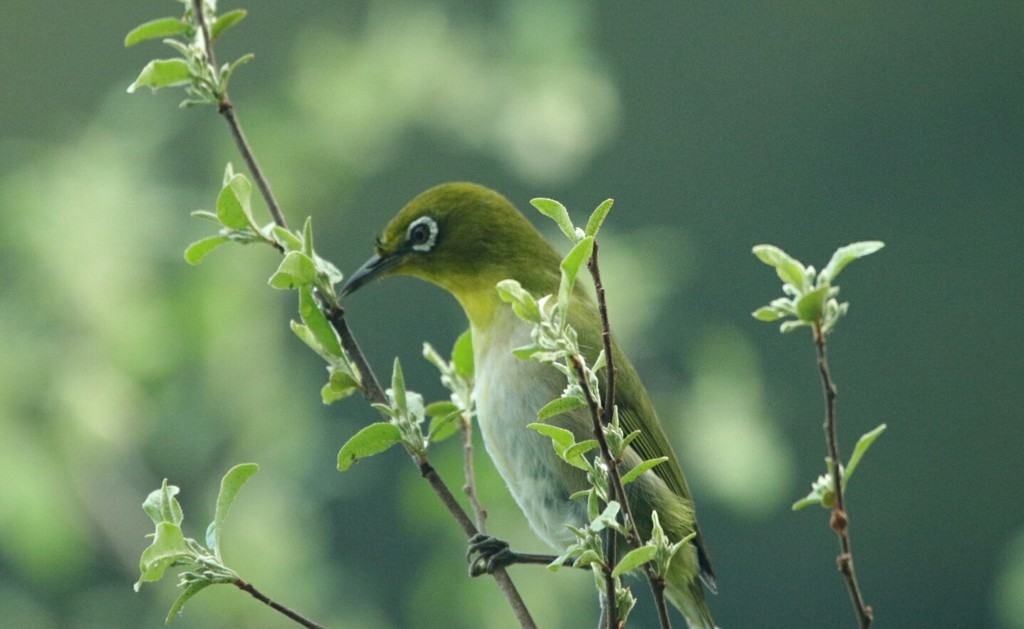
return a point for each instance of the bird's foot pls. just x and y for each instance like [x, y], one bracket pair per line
[487, 554]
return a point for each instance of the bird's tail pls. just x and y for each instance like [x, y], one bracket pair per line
[684, 590]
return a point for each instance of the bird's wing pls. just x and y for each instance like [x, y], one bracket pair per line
[634, 403]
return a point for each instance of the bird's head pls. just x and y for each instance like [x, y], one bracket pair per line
[465, 238]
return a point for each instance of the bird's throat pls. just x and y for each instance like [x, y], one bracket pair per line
[480, 303]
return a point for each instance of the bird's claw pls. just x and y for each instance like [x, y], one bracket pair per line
[486, 554]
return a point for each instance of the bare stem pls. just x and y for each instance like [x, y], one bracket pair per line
[658, 587]
[226, 109]
[469, 472]
[200, 14]
[611, 604]
[840, 521]
[606, 336]
[245, 586]
[603, 417]
[368, 383]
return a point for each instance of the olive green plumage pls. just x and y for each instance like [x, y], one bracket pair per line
[466, 238]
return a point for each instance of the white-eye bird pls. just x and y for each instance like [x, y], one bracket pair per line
[466, 238]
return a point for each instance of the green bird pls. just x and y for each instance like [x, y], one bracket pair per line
[466, 238]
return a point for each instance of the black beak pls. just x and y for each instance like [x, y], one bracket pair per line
[370, 270]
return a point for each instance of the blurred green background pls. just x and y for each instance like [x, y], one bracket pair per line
[715, 126]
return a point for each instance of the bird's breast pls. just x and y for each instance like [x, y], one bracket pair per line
[508, 394]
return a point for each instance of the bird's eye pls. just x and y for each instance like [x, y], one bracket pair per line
[422, 234]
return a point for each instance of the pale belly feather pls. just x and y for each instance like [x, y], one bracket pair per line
[508, 394]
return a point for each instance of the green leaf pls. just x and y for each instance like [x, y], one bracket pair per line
[767, 313]
[179, 603]
[822, 491]
[523, 303]
[161, 506]
[634, 559]
[811, 306]
[234, 208]
[588, 557]
[318, 324]
[325, 268]
[339, 385]
[386, 410]
[229, 486]
[162, 73]
[195, 252]
[371, 440]
[860, 449]
[286, 239]
[571, 266]
[789, 326]
[847, 254]
[607, 518]
[443, 407]
[556, 212]
[168, 547]
[295, 270]
[229, 172]
[560, 437]
[226, 21]
[577, 256]
[789, 270]
[462, 355]
[205, 215]
[597, 217]
[444, 426]
[155, 29]
[577, 450]
[307, 236]
[230, 69]
[398, 388]
[526, 351]
[642, 467]
[304, 333]
[558, 406]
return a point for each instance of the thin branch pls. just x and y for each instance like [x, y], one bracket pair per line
[369, 385]
[840, 521]
[602, 418]
[611, 544]
[199, 12]
[469, 472]
[245, 586]
[658, 588]
[609, 405]
[505, 584]
[606, 336]
[226, 109]
[632, 534]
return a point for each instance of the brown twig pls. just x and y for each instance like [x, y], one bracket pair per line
[469, 472]
[840, 521]
[226, 109]
[245, 586]
[609, 401]
[603, 417]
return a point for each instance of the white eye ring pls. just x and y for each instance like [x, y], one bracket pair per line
[418, 244]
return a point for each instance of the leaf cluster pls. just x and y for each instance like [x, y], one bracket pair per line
[810, 297]
[192, 36]
[823, 490]
[203, 565]
[406, 412]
